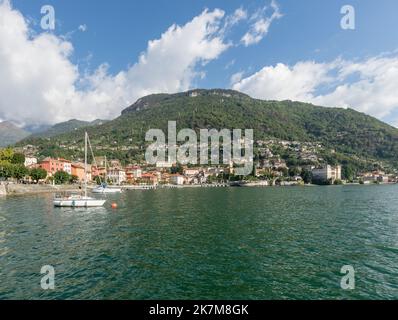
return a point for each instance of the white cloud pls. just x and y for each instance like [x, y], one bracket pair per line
[239, 15]
[283, 82]
[368, 86]
[82, 28]
[261, 24]
[40, 84]
[236, 77]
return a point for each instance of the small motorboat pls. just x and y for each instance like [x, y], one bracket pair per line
[104, 189]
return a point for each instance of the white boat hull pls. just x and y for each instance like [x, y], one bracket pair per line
[79, 203]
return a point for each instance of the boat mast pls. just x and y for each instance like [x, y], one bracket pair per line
[85, 164]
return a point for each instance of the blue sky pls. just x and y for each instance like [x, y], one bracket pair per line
[306, 40]
[118, 31]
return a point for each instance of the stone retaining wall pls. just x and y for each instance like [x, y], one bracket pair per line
[18, 189]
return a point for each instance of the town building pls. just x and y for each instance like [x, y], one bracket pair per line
[133, 173]
[163, 164]
[177, 179]
[98, 172]
[116, 175]
[78, 171]
[54, 165]
[30, 161]
[327, 173]
[67, 165]
[191, 171]
[114, 163]
[375, 177]
[100, 161]
[149, 178]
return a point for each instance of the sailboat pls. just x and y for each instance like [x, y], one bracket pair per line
[76, 201]
[103, 188]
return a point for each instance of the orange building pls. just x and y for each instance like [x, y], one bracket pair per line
[78, 171]
[54, 165]
[133, 173]
[98, 172]
[149, 178]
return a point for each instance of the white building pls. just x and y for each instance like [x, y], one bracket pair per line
[134, 172]
[29, 161]
[163, 164]
[68, 167]
[191, 171]
[326, 173]
[117, 175]
[177, 179]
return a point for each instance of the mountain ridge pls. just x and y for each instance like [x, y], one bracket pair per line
[67, 126]
[11, 133]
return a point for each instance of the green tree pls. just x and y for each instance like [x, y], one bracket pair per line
[18, 158]
[348, 172]
[73, 179]
[294, 171]
[61, 177]
[38, 174]
[6, 170]
[19, 171]
[306, 175]
[6, 154]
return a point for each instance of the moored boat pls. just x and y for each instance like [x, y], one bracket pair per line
[104, 189]
[76, 201]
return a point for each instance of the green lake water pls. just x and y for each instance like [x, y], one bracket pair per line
[210, 243]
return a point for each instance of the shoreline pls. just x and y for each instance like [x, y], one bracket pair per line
[32, 189]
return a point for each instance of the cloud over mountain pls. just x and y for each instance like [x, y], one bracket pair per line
[367, 85]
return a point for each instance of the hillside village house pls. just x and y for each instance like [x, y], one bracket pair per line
[163, 164]
[376, 176]
[133, 173]
[78, 171]
[326, 173]
[195, 175]
[177, 179]
[98, 172]
[114, 164]
[54, 165]
[117, 175]
[149, 178]
[100, 161]
[191, 171]
[67, 165]
[30, 161]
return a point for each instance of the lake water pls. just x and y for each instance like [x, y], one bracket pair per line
[211, 243]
